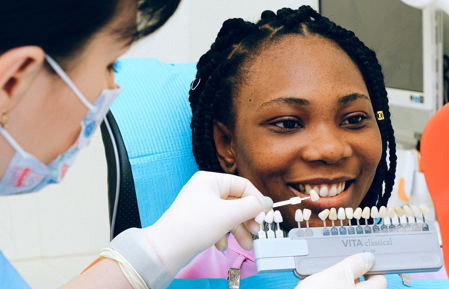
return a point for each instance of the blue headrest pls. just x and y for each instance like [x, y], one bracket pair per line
[153, 114]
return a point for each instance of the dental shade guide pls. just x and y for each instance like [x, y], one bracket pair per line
[341, 217]
[408, 213]
[357, 215]
[424, 211]
[374, 216]
[350, 214]
[269, 219]
[297, 200]
[383, 214]
[365, 215]
[323, 215]
[259, 219]
[308, 253]
[416, 214]
[299, 218]
[391, 213]
[333, 217]
[278, 219]
[306, 214]
[400, 212]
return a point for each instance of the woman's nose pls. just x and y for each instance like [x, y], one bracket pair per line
[327, 145]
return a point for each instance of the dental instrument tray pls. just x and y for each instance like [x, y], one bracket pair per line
[398, 248]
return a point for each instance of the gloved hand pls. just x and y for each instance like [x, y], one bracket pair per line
[345, 275]
[208, 206]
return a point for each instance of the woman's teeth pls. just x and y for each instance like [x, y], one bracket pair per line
[322, 190]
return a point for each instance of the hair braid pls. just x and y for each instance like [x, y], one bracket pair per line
[219, 75]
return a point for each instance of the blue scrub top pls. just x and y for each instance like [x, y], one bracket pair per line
[9, 277]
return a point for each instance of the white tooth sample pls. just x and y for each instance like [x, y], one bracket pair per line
[259, 219]
[357, 213]
[314, 196]
[341, 214]
[298, 216]
[324, 191]
[333, 191]
[423, 210]
[374, 212]
[415, 210]
[408, 212]
[323, 215]
[333, 214]
[269, 217]
[306, 214]
[349, 213]
[277, 217]
[308, 188]
[399, 211]
[301, 187]
[365, 213]
[390, 212]
[383, 212]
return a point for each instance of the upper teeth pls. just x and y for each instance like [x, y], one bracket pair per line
[324, 190]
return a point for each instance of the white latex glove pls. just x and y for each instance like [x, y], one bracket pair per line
[435, 4]
[345, 275]
[208, 206]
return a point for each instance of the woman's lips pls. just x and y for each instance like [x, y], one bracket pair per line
[336, 201]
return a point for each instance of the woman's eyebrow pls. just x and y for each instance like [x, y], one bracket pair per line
[292, 101]
[352, 97]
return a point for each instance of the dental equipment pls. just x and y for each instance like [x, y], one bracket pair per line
[297, 200]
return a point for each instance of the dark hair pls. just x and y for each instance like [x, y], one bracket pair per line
[219, 74]
[61, 27]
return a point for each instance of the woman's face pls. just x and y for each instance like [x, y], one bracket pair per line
[303, 118]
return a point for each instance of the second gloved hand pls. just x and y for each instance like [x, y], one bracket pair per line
[345, 275]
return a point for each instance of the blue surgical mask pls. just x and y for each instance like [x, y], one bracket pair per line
[26, 174]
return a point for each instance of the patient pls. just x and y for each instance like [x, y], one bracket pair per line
[291, 103]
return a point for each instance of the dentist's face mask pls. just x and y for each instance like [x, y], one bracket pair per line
[26, 174]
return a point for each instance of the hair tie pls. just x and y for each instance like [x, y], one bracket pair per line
[380, 115]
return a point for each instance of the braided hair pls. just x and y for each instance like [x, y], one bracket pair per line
[219, 74]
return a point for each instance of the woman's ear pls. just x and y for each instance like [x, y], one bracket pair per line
[224, 145]
[18, 67]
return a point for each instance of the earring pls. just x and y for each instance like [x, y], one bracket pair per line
[4, 117]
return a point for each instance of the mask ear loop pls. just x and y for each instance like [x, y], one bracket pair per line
[67, 80]
[4, 117]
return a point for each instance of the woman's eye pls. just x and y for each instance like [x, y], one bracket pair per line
[287, 124]
[354, 120]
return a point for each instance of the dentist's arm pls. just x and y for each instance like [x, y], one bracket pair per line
[208, 206]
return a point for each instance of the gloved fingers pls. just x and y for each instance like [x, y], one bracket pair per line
[252, 226]
[243, 237]
[222, 244]
[373, 282]
[357, 265]
[241, 210]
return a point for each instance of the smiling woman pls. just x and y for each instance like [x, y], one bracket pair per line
[290, 103]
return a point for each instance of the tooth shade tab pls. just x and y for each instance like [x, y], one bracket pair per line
[314, 196]
[323, 215]
[277, 217]
[366, 213]
[341, 214]
[298, 216]
[390, 212]
[408, 212]
[415, 210]
[349, 213]
[383, 212]
[333, 214]
[358, 213]
[324, 192]
[269, 217]
[423, 210]
[333, 191]
[259, 219]
[399, 211]
[374, 212]
[306, 214]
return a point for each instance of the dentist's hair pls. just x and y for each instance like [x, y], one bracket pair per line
[220, 73]
[61, 27]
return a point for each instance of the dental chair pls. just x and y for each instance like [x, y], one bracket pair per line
[148, 148]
